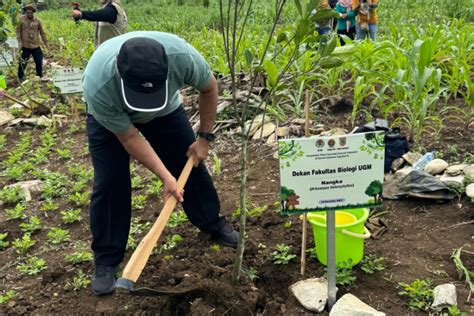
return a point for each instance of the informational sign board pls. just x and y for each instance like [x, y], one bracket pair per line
[68, 80]
[6, 58]
[12, 42]
[329, 173]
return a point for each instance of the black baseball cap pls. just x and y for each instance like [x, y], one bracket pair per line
[142, 66]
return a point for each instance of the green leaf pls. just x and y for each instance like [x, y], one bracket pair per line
[248, 57]
[259, 68]
[322, 15]
[344, 50]
[330, 62]
[312, 5]
[272, 71]
[302, 29]
[329, 47]
[298, 7]
[425, 56]
[282, 37]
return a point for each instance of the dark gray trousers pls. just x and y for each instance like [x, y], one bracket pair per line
[110, 209]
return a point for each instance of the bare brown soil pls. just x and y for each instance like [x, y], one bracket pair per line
[418, 244]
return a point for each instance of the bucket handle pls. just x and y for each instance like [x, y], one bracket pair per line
[365, 235]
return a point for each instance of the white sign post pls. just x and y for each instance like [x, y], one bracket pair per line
[12, 42]
[331, 173]
[68, 80]
[6, 58]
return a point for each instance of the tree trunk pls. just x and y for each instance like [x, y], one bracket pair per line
[243, 211]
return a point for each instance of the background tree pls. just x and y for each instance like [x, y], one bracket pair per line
[293, 42]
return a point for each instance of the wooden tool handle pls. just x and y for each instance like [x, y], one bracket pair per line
[14, 99]
[139, 258]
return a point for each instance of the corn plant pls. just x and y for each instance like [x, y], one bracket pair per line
[422, 85]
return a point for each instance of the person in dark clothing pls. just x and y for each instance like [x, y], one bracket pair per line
[131, 87]
[28, 32]
[111, 20]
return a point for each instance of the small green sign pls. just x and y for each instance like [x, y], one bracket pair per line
[329, 173]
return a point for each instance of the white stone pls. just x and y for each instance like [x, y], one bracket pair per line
[470, 190]
[436, 166]
[16, 106]
[411, 158]
[458, 180]
[38, 121]
[397, 164]
[283, 131]
[257, 123]
[311, 293]
[272, 139]
[334, 132]
[444, 295]
[265, 131]
[28, 187]
[5, 117]
[300, 121]
[455, 170]
[469, 171]
[350, 305]
[317, 130]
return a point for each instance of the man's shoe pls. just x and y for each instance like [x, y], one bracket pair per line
[227, 236]
[103, 280]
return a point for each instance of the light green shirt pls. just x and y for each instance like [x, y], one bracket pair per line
[102, 89]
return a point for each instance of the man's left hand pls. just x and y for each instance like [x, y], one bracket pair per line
[199, 150]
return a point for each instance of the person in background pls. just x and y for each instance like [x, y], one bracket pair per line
[111, 20]
[324, 27]
[346, 24]
[366, 19]
[28, 31]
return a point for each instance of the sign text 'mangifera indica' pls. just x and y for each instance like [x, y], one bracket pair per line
[317, 172]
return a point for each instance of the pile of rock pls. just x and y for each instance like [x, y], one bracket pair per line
[451, 175]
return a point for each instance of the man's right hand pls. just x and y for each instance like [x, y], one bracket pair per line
[76, 14]
[170, 188]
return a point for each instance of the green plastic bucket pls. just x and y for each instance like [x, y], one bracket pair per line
[349, 237]
[3, 82]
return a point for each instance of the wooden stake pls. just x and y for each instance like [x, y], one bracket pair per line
[304, 228]
[14, 99]
[74, 112]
